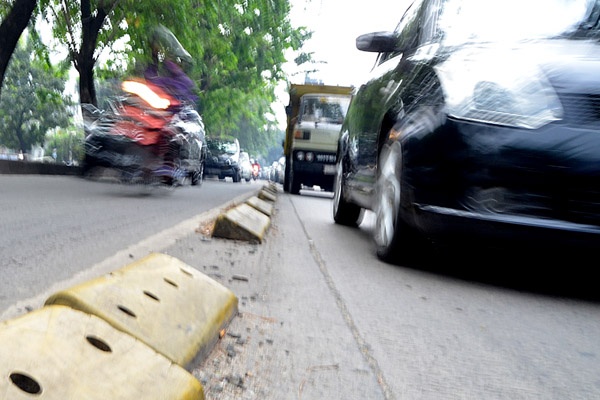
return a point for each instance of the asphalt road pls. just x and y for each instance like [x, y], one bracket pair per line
[319, 316]
[60, 230]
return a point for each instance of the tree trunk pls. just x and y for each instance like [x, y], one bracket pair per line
[10, 31]
[91, 25]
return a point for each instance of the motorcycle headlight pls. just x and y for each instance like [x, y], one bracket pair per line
[146, 93]
[498, 90]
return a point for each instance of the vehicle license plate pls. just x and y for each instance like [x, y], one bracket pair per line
[329, 169]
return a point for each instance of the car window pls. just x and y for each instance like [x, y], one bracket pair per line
[468, 21]
[330, 109]
[407, 31]
[230, 147]
[217, 145]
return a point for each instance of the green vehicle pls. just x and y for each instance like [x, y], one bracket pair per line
[314, 114]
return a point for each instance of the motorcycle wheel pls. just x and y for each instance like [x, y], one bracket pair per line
[198, 176]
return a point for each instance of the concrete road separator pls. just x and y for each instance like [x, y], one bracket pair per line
[57, 353]
[266, 207]
[242, 222]
[267, 195]
[166, 304]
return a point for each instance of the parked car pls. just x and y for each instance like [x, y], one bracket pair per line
[223, 158]
[245, 166]
[480, 119]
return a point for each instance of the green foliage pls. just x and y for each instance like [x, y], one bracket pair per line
[32, 101]
[238, 49]
[68, 144]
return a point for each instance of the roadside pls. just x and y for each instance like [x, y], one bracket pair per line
[291, 338]
[39, 168]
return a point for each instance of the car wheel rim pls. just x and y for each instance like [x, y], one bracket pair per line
[337, 189]
[388, 202]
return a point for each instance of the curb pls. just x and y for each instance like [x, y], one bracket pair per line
[169, 306]
[66, 354]
[250, 220]
[127, 335]
[132, 333]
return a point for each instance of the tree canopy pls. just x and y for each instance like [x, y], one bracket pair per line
[15, 17]
[32, 101]
[238, 47]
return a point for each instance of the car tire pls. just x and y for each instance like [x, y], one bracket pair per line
[344, 213]
[294, 184]
[394, 239]
[287, 173]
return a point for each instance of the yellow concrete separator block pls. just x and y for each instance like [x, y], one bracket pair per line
[243, 222]
[267, 195]
[271, 188]
[58, 353]
[265, 207]
[165, 303]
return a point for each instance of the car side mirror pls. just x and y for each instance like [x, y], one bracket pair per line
[377, 42]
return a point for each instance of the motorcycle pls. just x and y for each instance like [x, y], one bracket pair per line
[255, 170]
[145, 136]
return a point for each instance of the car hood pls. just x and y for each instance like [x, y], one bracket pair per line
[535, 80]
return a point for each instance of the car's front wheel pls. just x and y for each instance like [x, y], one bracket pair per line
[394, 238]
[344, 213]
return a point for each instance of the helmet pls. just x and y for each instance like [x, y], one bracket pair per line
[164, 41]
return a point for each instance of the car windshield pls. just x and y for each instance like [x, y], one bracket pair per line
[222, 146]
[467, 21]
[324, 108]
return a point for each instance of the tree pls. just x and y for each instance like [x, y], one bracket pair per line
[238, 47]
[13, 24]
[68, 144]
[32, 101]
[83, 29]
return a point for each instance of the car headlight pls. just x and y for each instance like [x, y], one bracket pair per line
[496, 90]
[300, 156]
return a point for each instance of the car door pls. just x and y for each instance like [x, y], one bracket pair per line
[378, 102]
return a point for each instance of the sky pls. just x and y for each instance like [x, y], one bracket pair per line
[336, 25]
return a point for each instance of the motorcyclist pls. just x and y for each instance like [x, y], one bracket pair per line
[167, 68]
[166, 71]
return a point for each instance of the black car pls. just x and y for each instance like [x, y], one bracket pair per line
[480, 119]
[223, 158]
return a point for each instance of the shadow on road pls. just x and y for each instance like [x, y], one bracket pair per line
[560, 271]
